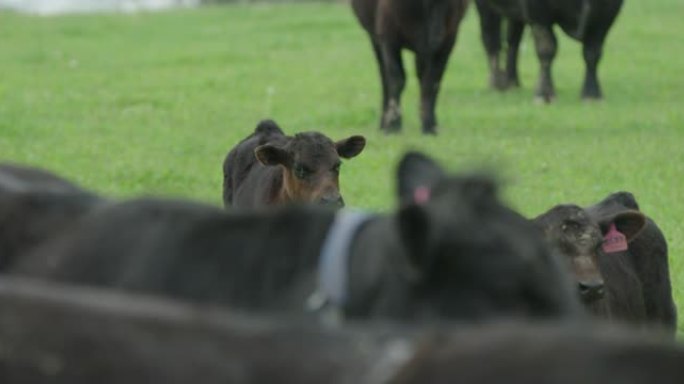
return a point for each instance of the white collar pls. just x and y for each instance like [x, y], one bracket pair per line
[333, 266]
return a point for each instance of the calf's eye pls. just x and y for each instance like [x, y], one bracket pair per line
[301, 172]
[336, 168]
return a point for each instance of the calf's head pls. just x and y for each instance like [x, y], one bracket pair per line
[580, 238]
[311, 165]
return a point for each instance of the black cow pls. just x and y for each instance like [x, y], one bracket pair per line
[270, 168]
[426, 27]
[458, 254]
[587, 21]
[60, 334]
[34, 206]
[618, 257]
[637, 277]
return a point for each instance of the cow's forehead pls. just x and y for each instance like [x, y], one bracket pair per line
[313, 148]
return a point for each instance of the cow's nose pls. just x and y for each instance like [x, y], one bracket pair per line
[591, 290]
[334, 201]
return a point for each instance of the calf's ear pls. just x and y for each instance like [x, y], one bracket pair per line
[268, 154]
[630, 223]
[350, 147]
[416, 175]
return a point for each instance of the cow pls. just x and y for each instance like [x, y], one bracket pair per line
[587, 21]
[639, 289]
[426, 27]
[460, 254]
[618, 257]
[35, 205]
[64, 334]
[269, 168]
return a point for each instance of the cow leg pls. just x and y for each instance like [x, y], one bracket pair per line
[490, 32]
[383, 79]
[430, 68]
[591, 51]
[395, 78]
[592, 47]
[546, 46]
[514, 35]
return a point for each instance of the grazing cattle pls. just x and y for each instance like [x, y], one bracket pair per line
[270, 168]
[587, 21]
[428, 28]
[460, 254]
[638, 277]
[34, 206]
[62, 334]
[618, 257]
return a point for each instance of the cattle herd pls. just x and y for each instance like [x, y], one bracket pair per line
[284, 284]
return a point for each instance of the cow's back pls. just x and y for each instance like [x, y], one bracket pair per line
[186, 250]
[241, 163]
[15, 178]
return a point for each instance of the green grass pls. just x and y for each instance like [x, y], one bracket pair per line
[150, 104]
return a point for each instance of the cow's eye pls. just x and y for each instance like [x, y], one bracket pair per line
[336, 168]
[302, 172]
[570, 226]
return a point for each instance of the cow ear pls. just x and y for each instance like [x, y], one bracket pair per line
[350, 147]
[630, 223]
[268, 154]
[416, 175]
[414, 230]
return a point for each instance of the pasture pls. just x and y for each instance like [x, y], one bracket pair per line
[151, 103]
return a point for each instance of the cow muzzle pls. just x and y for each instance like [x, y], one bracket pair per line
[333, 202]
[590, 291]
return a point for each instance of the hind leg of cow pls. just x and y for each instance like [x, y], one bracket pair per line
[430, 67]
[514, 36]
[546, 45]
[383, 80]
[395, 80]
[592, 50]
[490, 32]
[591, 89]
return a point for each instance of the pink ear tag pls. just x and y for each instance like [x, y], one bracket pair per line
[614, 241]
[421, 195]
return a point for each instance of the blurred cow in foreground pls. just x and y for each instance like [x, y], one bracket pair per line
[64, 334]
[456, 253]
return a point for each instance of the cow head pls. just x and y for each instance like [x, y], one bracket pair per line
[311, 165]
[580, 238]
[465, 254]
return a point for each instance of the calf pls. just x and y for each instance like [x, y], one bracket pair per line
[34, 206]
[269, 168]
[460, 254]
[426, 27]
[618, 257]
[638, 273]
[587, 21]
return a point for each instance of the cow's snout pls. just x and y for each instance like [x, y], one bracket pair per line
[334, 201]
[591, 290]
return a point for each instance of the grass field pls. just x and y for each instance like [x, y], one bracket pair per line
[150, 104]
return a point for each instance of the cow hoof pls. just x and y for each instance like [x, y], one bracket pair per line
[392, 130]
[544, 99]
[591, 97]
[430, 131]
